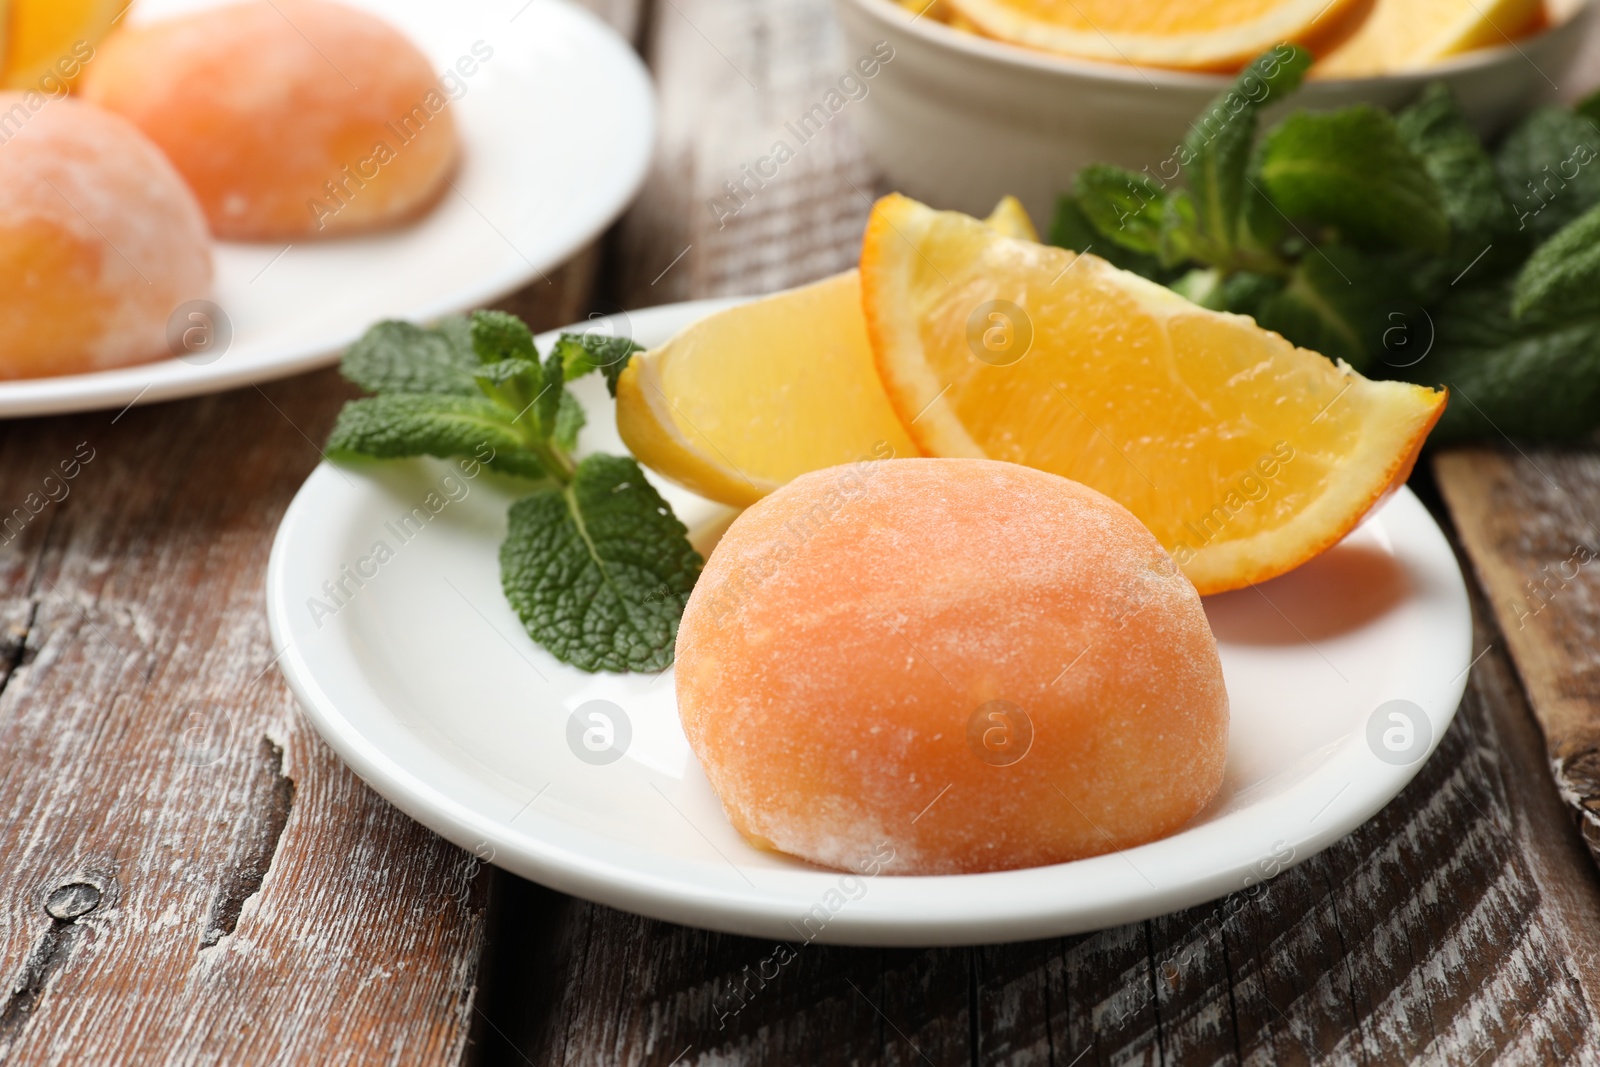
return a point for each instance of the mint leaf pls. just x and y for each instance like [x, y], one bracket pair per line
[1562, 277]
[1525, 381]
[1350, 170]
[398, 357]
[1549, 167]
[1199, 286]
[1589, 107]
[1072, 230]
[583, 352]
[498, 335]
[569, 420]
[1121, 205]
[1217, 151]
[599, 571]
[1483, 233]
[1438, 134]
[512, 384]
[395, 425]
[1335, 304]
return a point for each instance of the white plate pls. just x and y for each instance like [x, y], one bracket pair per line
[425, 683]
[557, 128]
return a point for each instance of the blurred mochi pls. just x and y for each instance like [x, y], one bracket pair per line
[100, 240]
[965, 664]
[289, 118]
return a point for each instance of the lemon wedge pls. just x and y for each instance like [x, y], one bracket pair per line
[1404, 35]
[746, 399]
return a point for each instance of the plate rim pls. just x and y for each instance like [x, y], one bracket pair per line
[644, 889]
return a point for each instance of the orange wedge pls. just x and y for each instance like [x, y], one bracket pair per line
[50, 40]
[1245, 455]
[746, 399]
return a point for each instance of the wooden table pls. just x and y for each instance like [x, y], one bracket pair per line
[190, 876]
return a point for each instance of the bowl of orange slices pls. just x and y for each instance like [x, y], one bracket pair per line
[971, 100]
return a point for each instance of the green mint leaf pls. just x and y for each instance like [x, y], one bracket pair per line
[1121, 205]
[1530, 381]
[599, 571]
[1562, 277]
[1438, 134]
[1071, 229]
[1199, 286]
[1550, 170]
[1241, 292]
[547, 402]
[1335, 303]
[1216, 153]
[1350, 170]
[1263, 230]
[570, 418]
[1483, 233]
[395, 425]
[584, 352]
[508, 371]
[1244, 292]
[498, 335]
[398, 357]
[513, 384]
[1589, 107]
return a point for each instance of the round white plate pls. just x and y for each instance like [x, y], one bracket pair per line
[425, 683]
[557, 128]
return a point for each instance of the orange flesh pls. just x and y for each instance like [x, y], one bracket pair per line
[1163, 19]
[1244, 455]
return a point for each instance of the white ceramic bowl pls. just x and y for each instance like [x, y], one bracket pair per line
[959, 120]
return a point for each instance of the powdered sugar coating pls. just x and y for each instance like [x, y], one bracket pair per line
[100, 240]
[288, 118]
[849, 628]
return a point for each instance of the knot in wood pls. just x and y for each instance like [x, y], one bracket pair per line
[73, 901]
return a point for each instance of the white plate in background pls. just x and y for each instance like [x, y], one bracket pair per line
[557, 129]
[425, 683]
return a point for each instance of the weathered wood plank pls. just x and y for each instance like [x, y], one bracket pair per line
[731, 76]
[254, 898]
[190, 875]
[1527, 519]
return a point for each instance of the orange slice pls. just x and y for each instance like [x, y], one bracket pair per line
[1214, 35]
[742, 401]
[1245, 455]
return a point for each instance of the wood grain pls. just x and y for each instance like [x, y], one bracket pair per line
[252, 899]
[231, 892]
[1527, 519]
[731, 76]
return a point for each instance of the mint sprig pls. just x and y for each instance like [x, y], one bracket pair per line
[594, 562]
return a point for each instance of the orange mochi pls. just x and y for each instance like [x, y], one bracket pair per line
[289, 118]
[100, 240]
[980, 665]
